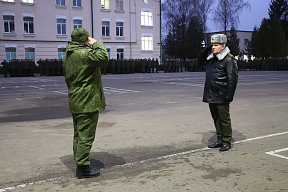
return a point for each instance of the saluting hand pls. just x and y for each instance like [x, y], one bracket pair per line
[91, 40]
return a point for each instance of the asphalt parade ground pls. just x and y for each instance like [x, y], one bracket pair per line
[152, 137]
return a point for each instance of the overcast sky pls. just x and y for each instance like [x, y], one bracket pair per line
[248, 18]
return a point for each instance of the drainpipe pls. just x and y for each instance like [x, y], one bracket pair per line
[92, 32]
[160, 33]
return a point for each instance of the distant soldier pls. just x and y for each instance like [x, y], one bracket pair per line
[156, 65]
[40, 63]
[5, 67]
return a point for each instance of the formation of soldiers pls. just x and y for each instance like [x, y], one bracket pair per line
[126, 66]
[52, 67]
[18, 68]
[177, 65]
[270, 64]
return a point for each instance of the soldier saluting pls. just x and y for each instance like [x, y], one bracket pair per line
[82, 62]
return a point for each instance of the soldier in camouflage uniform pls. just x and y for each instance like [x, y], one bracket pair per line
[82, 62]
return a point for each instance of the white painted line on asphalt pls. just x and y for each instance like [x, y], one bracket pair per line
[261, 137]
[36, 87]
[28, 184]
[60, 92]
[150, 160]
[204, 149]
[273, 153]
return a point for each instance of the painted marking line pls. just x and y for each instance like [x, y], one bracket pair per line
[154, 159]
[36, 87]
[185, 84]
[60, 92]
[273, 153]
[119, 91]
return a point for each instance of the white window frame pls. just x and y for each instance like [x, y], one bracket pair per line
[106, 28]
[77, 25]
[120, 55]
[77, 3]
[147, 42]
[9, 1]
[61, 53]
[119, 5]
[30, 55]
[60, 2]
[119, 29]
[10, 23]
[28, 23]
[146, 17]
[28, 1]
[109, 51]
[12, 55]
[61, 25]
[104, 4]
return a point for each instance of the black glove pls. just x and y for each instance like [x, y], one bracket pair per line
[206, 50]
[203, 54]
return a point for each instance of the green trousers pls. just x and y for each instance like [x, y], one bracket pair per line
[84, 134]
[221, 116]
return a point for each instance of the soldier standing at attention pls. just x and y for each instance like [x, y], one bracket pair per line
[220, 86]
[5, 68]
[82, 62]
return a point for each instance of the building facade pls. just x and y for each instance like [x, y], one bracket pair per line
[34, 29]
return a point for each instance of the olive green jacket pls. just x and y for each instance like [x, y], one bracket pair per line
[81, 66]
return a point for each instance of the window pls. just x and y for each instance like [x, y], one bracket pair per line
[8, 0]
[28, 25]
[119, 29]
[76, 3]
[9, 26]
[105, 28]
[146, 18]
[60, 2]
[119, 5]
[61, 53]
[61, 26]
[30, 53]
[108, 50]
[246, 41]
[105, 4]
[77, 23]
[27, 1]
[147, 43]
[10, 53]
[146, 1]
[120, 53]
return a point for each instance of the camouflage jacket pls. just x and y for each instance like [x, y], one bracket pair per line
[81, 66]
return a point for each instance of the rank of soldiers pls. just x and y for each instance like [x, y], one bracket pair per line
[53, 67]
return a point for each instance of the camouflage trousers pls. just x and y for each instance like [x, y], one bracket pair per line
[84, 134]
[222, 121]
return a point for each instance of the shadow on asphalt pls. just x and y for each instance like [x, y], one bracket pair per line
[35, 114]
[98, 160]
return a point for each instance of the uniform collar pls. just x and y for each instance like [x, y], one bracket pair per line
[221, 55]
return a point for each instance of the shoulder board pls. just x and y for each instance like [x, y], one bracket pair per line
[230, 55]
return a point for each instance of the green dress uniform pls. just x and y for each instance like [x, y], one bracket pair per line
[81, 66]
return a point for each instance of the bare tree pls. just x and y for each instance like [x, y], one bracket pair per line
[227, 12]
[203, 8]
[172, 10]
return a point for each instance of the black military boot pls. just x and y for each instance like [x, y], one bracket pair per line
[84, 171]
